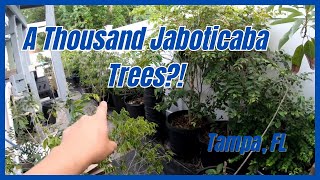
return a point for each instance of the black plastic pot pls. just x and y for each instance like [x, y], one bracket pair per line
[46, 108]
[183, 142]
[151, 114]
[134, 110]
[118, 101]
[211, 158]
[229, 171]
[75, 80]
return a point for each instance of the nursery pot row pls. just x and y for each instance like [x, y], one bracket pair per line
[127, 101]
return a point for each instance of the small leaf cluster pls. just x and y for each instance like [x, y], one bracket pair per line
[132, 134]
[303, 18]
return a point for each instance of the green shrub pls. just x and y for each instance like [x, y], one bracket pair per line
[132, 136]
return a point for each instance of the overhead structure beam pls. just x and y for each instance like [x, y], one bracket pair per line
[16, 11]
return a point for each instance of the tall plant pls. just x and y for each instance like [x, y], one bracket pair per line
[93, 70]
[250, 89]
[198, 17]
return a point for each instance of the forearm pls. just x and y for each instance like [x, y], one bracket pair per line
[59, 161]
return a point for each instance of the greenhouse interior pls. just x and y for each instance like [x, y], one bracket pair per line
[165, 130]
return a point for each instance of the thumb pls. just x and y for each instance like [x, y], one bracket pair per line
[102, 110]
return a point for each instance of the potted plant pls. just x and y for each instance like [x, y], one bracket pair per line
[93, 72]
[184, 126]
[134, 103]
[138, 155]
[198, 17]
[49, 111]
[151, 96]
[118, 96]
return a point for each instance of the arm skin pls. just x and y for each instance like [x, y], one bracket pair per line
[84, 143]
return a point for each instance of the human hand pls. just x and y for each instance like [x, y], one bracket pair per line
[87, 140]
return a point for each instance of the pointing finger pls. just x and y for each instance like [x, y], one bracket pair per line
[102, 110]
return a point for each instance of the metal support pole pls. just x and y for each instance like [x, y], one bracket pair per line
[26, 62]
[56, 58]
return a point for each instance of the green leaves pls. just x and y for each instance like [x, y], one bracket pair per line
[131, 135]
[294, 11]
[309, 52]
[309, 8]
[284, 39]
[290, 18]
[277, 124]
[314, 42]
[51, 141]
[283, 21]
[297, 58]
[295, 27]
[290, 33]
[218, 170]
[309, 49]
[301, 22]
[270, 8]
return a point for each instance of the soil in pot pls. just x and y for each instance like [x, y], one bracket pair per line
[151, 114]
[135, 106]
[183, 137]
